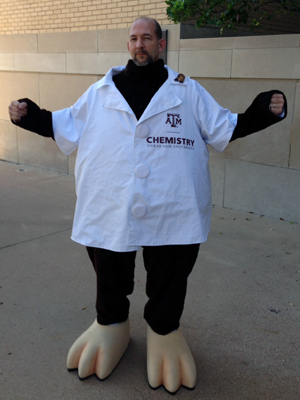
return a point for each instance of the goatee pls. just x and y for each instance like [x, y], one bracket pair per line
[148, 61]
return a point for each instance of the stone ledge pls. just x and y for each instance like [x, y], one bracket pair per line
[247, 42]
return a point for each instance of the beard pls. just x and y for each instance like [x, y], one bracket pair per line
[148, 61]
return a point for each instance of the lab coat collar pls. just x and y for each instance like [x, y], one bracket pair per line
[113, 98]
[164, 99]
[108, 78]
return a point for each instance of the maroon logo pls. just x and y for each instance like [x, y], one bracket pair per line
[174, 120]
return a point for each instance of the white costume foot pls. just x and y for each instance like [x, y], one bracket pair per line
[169, 361]
[99, 349]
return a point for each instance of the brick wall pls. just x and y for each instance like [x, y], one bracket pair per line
[48, 16]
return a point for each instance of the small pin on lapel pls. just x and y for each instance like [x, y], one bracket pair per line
[180, 78]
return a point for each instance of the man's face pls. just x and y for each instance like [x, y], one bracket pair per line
[144, 46]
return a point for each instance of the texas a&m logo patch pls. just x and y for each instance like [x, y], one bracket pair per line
[174, 120]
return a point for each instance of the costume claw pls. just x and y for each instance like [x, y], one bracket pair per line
[99, 349]
[169, 361]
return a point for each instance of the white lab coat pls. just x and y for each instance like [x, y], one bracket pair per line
[143, 182]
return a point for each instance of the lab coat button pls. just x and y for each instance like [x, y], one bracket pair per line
[139, 210]
[142, 131]
[142, 171]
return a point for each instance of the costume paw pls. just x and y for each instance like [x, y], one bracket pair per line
[169, 361]
[99, 349]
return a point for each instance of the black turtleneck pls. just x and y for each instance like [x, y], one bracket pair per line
[139, 84]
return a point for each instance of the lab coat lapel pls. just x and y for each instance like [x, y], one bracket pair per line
[114, 99]
[164, 99]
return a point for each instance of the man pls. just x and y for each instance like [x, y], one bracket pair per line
[142, 181]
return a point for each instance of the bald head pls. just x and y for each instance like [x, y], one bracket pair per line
[157, 27]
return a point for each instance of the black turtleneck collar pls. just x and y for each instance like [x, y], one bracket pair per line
[139, 84]
[152, 70]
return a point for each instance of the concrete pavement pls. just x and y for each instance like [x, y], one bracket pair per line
[241, 316]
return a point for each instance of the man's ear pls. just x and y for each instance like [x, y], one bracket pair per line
[162, 45]
[128, 46]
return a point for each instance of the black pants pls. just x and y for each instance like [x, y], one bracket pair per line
[168, 268]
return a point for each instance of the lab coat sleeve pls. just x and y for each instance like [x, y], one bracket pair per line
[216, 124]
[69, 123]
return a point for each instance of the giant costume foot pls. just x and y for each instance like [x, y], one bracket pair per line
[169, 361]
[99, 349]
